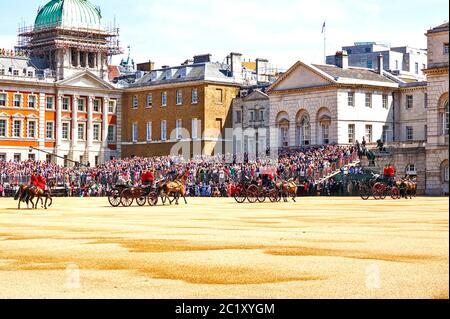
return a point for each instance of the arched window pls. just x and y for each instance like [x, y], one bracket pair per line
[411, 170]
[303, 135]
[446, 118]
[444, 172]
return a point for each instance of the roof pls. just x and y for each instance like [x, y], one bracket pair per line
[352, 73]
[18, 63]
[209, 71]
[69, 13]
[439, 28]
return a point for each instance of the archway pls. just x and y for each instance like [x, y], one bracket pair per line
[283, 125]
[303, 129]
[324, 123]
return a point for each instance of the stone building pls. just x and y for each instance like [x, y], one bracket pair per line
[323, 104]
[54, 93]
[251, 120]
[405, 62]
[437, 175]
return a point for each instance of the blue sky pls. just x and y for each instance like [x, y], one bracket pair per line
[283, 31]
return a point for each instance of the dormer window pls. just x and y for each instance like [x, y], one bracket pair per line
[183, 72]
[30, 74]
[16, 72]
[169, 74]
[153, 76]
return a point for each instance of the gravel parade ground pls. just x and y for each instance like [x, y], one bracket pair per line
[215, 248]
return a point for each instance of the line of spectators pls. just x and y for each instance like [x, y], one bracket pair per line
[208, 175]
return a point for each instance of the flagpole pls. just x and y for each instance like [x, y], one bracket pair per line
[325, 42]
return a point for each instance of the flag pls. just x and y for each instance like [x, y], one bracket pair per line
[323, 27]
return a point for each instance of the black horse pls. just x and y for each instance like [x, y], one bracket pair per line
[24, 195]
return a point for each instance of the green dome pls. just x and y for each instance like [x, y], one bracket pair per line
[69, 13]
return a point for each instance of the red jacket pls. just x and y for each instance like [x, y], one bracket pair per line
[147, 177]
[34, 180]
[42, 182]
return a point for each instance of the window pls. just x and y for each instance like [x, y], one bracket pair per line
[367, 50]
[369, 64]
[411, 169]
[194, 129]
[385, 101]
[424, 66]
[409, 133]
[251, 116]
[325, 133]
[31, 157]
[96, 132]
[396, 64]
[261, 115]
[284, 136]
[351, 133]
[368, 135]
[164, 99]
[445, 121]
[149, 131]
[163, 130]
[368, 100]
[49, 129]
[2, 71]
[49, 102]
[135, 101]
[445, 48]
[219, 96]
[149, 100]
[425, 129]
[31, 129]
[238, 117]
[194, 96]
[179, 129]
[30, 73]
[17, 128]
[48, 158]
[82, 105]
[134, 132]
[32, 101]
[65, 130]
[17, 157]
[179, 97]
[3, 125]
[111, 106]
[2, 157]
[66, 104]
[81, 131]
[384, 136]
[17, 100]
[409, 102]
[351, 98]
[96, 105]
[111, 135]
[16, 72]
[416, 68]
[425, 100]
[2, 99]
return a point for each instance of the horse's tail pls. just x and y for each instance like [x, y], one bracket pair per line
[18, 193]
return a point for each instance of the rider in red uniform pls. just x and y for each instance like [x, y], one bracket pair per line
[42, 182]
[147, 178]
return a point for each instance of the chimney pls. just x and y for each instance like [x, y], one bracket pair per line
[146, 67]
[262, 71]
[341, 59]
[202, 58]
[380, 64]
[236, 65]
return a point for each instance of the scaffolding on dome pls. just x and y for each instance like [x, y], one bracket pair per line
[41, 40]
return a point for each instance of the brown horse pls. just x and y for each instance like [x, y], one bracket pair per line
[287, 188]
[23, 195]
[38, 193]
[407, 187]
[176, 189]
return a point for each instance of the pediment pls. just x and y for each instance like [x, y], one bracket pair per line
[301, 76]
[256, 95]
[86, 79]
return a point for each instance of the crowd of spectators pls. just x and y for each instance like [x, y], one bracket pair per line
[207, 175]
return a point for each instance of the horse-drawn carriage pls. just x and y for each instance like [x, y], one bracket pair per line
[274, 191]
[380, 187]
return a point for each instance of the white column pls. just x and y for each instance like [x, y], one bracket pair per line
[58, 124]
[105, 127]
[41, 125]
[74, 122]
[90, 132]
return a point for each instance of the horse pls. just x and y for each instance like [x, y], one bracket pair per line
[39, 193]
[176, 188]
[287, 188]
[410, 187]
[23, 195]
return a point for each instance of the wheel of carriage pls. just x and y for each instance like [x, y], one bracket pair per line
[152, 198]
[252, 193]
[365, 192]
[126, 198]
[395, 193]
[378, 191]
[274, 196]
[261, 195]
[240, 194]
[114, 198]
[142, 199]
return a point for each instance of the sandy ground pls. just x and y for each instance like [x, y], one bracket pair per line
[215, 248]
